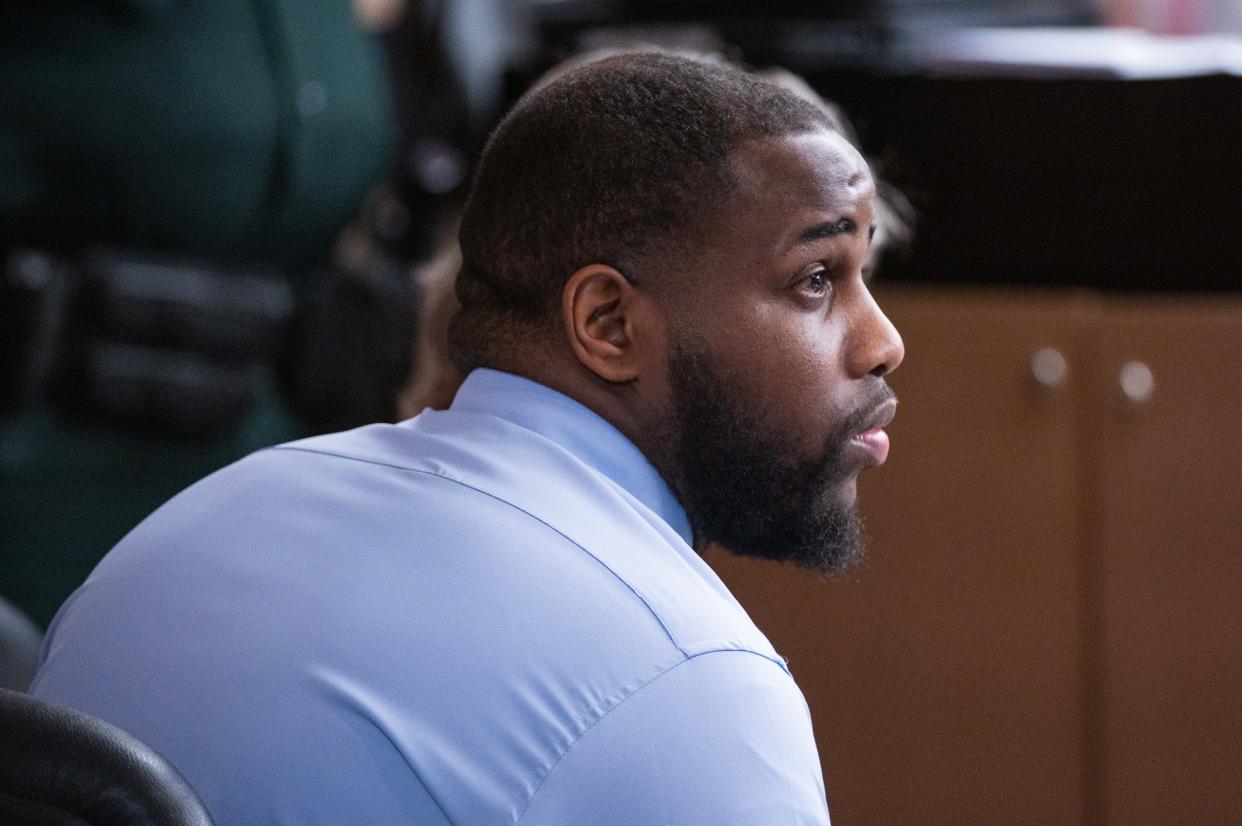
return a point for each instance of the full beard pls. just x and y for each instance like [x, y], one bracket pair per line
[744, 489]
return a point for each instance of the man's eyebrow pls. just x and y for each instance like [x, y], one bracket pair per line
[828, 229]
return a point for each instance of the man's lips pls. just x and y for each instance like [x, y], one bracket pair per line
[871, 441]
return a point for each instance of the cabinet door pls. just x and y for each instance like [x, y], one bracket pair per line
[945, 678]
[1169, 572]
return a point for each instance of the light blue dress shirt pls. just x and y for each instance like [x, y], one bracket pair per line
[490, 614]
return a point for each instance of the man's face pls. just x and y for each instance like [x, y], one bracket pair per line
[777, 357]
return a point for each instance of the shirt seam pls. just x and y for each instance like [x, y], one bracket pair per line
[547, 775]
[442, 475]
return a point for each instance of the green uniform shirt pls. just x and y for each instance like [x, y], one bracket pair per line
[229, 128]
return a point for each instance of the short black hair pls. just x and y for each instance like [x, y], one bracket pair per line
[611, 163]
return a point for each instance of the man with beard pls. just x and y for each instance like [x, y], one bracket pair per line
[496, 613]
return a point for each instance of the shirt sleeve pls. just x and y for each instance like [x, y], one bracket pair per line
[721, 738]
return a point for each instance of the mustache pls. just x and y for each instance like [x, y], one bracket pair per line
[862, 414]
[828, 468]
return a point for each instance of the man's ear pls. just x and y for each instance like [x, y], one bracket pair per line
[603, 314]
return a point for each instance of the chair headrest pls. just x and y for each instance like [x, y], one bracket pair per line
[58, 765]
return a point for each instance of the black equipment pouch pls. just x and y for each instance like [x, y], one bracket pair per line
[153, 341]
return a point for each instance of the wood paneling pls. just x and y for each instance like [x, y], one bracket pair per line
[1169, 555]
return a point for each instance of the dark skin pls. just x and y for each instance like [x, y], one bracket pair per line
[777, 296]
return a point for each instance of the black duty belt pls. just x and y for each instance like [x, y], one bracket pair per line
[141, 339]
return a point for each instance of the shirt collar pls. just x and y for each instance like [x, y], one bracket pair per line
[579, 430]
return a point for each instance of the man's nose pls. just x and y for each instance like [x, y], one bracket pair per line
[875, 345]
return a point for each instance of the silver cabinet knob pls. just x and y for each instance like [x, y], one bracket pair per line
[1049, 369]
[1138, 383]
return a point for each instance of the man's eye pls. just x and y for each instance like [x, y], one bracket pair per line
[815, 283]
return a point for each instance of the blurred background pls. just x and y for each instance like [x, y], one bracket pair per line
[225, 225]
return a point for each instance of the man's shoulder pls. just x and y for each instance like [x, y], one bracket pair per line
[491, 483]
[472, 597]
[457, 491]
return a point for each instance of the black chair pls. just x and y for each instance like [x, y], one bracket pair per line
[62, 767]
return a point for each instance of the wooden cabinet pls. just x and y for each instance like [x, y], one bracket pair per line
[1046, 629]
[1167, 561]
